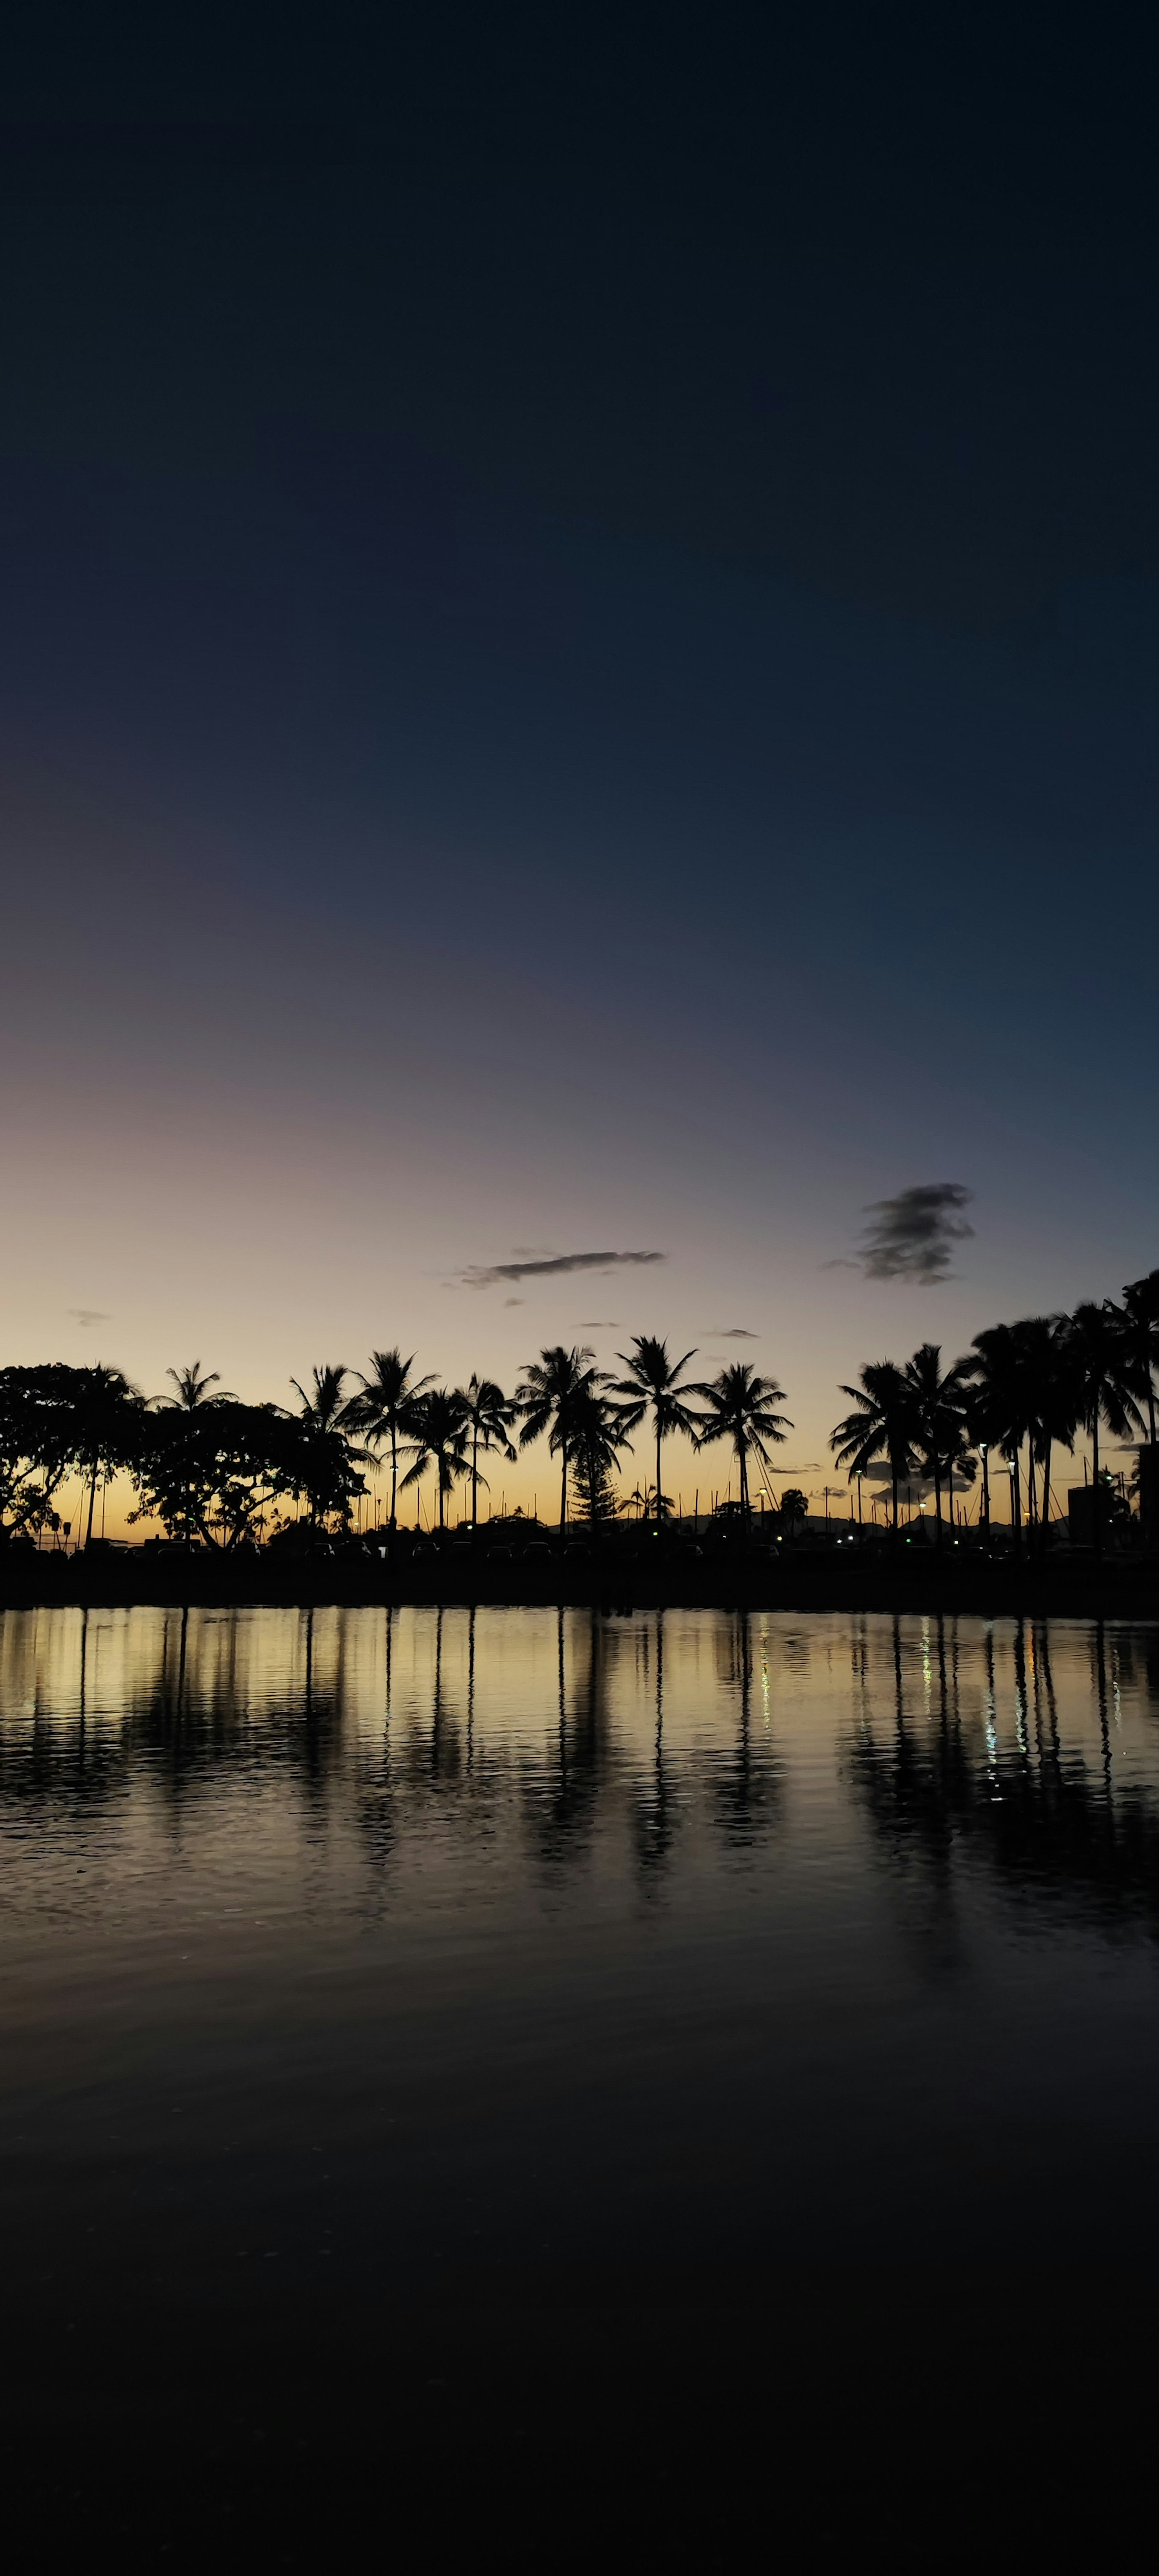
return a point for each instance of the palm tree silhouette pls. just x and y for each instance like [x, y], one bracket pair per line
[740, 1407]
[486, 1415]
[881, 1424]
[939, 1427]
[1107, 1383]
[1140, 1329]
[438, 1431]
[550, 1399]
[1050, 1400]
[328, 1453]
[193, 1389]
[653, 1383]
[382, 1408]
[1001, 1404]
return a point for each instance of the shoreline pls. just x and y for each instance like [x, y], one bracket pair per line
[1119, 1588]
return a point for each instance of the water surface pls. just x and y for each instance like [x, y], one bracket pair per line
[460, 1985]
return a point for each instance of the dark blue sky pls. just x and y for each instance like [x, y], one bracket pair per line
[580, 633]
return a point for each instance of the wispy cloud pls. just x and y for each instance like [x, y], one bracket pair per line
[912, 1236]
[86, 1315]
[728, 1333]
[515, 1301]
[598, 1324]
[555, 1265]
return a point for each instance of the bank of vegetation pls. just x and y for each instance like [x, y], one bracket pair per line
[210, 1472]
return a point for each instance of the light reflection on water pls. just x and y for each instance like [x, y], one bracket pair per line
[149, 1752]
[684, 1918]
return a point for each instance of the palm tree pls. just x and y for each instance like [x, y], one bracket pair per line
[1050, 1396]
[329, 1457]
[1140, 1328]
[1107, 1382]
[193, 1389]
[551, 1398]
[486, 1415]
[653, 1383]
[438, 1431]
[939, 1427]
[740, 1407]
[382, 1408]
[881, 1424]
[1002, 1399]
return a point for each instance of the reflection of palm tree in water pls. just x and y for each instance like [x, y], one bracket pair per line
[655, 1818]
[564, 1818]
[1044, 1825]
[749, 1792]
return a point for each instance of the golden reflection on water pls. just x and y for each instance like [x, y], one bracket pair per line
[473, 1749]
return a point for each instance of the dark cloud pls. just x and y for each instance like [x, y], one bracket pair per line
[912, 1236]
[86, 1315]
[729, 1333]
[556, 1265]
[598, 1324]
[514, 1301]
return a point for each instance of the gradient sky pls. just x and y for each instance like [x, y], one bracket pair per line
[580, 625]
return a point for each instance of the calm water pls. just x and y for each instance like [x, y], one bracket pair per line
[460, 1986]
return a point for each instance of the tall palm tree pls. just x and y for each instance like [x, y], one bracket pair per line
[654, 1384]
[739, 1406]
[551, 1398]
[1108, 1383]
[1001, 1402]
[193, 1389]
[325, 1430]
[487, 1412]
[381, 1409]
[438, 1432]
[881, 1424]
[1050, 1395]
[939, 1427]
[1140, 1329]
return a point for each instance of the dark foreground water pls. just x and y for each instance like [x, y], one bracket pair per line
[555, 2077]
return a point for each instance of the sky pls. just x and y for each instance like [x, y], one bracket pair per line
[580, 617]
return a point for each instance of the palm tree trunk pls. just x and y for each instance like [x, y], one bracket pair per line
[744, 1484]
[938, 1500]
[474, 1483]
[1016, 1502]
[657, 1481]
[1097, 1505]
[393, 1475]
[92, 1502]
[1046, 1489]
[893, 1463]
[563, 1488]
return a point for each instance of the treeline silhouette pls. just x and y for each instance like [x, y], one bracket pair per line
[217, 1473]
